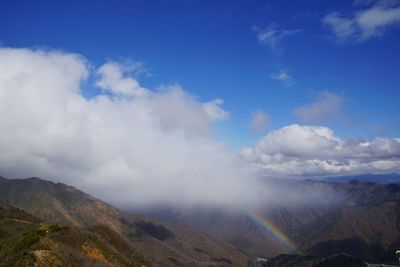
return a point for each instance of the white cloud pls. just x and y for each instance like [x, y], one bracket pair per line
[214, 110]
[128, 145]
[364, 24]
[259, 122]
[113, 78]
[284, 77]
[272, 35]
[326, 107]
[307, 151]
[176, 111]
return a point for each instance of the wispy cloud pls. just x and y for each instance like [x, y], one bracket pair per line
[326, 107]
[284, 77]
[364, 24]
[272, 35]
[260, 121]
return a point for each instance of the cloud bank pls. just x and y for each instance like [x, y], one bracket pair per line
[128, 145]
[314, 151]
[364, 24]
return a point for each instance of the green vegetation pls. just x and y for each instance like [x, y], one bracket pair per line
[3, 233]
[53, 228]
[24, 241]
[28, 240]
[17, 237]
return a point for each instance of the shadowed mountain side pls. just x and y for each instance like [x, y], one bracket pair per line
[366, 225]
[338, 260]
[375, 178]
[362, 219]
[179, 243]
[230, 226]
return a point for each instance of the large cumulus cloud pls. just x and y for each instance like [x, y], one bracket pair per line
[128, 144]
[309, 151]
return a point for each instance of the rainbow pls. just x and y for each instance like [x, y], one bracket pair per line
[271, 228]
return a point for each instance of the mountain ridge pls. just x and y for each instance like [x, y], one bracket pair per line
[157, 243]
[362, 220]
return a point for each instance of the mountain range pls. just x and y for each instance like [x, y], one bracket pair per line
[363, 219]
[52, 224]
[72, 228]
[386, 178]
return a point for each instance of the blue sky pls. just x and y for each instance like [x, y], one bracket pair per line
[211, 48]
